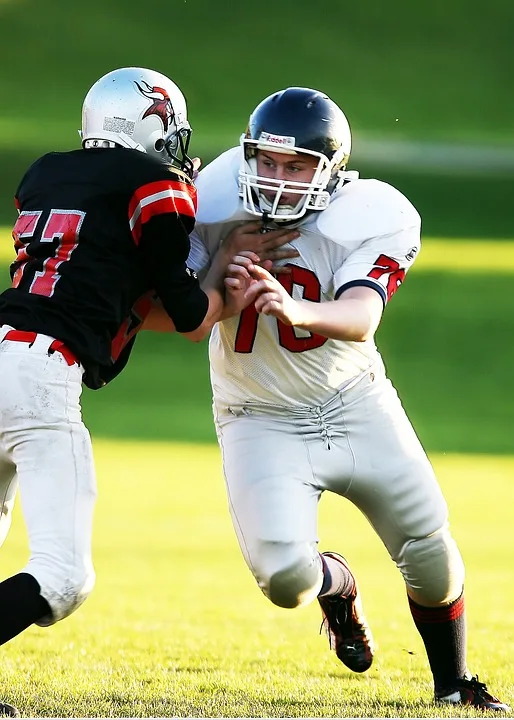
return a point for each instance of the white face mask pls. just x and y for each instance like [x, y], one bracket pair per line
[312, 195]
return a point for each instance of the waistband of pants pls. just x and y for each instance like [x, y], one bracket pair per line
[31, 338]
[374, 372]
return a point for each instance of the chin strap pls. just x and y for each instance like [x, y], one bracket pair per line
[265, 223]
[126, 141]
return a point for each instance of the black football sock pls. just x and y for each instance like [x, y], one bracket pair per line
[337, 579]
[443, 630]
[21, 605]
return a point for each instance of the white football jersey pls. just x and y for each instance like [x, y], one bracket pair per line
[369, 235]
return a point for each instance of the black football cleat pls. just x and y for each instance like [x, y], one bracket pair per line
[469, 691]
[7, 710]
[348, 632]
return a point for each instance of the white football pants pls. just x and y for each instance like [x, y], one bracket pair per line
[46, 450]
[360, 445]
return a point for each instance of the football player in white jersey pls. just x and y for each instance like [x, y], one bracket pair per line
[302, 403]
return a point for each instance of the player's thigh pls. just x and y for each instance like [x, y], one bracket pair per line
[394, 483]
[58, 489]
[51, 449]
[272, 495]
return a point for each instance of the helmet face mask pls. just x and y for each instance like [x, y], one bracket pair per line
[301, 122]
[138, 109]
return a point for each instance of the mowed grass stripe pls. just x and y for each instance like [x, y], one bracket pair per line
[177, 627]
[487, 256]
[463, 256]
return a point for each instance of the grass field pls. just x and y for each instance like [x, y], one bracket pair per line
[434, 85]
[408, 72]
[176, 626]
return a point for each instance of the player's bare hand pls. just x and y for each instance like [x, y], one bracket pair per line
[268, 245]
[239, 280]
[271, 298]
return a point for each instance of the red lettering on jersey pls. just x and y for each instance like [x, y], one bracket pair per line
[247, 328]
[157, 198]
[24, 227]
[384, 265]
[311, 291]
[63, 226]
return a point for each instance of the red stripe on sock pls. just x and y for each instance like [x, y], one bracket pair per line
[448, 613]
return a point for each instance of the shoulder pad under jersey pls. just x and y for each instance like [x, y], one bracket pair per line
[218, 190]
[363, 209]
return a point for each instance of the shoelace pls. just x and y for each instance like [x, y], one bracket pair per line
[480, 688]
[340, 608]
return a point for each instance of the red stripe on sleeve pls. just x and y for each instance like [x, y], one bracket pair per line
[157, 198]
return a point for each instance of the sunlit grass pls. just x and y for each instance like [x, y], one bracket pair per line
[177, 627]
[6, 245]
[486, 256]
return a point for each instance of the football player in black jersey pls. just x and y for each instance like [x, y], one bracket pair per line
[102, 239]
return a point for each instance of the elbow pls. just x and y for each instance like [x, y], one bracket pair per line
[365, 328]
[192, 337]
[196, 338]
[203, 330]
[359, 333]
[199, 334]
[363, 336]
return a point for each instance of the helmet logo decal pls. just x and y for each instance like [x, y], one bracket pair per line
[278, 140]
[161, 103]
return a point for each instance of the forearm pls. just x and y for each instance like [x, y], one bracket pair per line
[158, 320]
[213, 287]
[216, 305]
[340, 320]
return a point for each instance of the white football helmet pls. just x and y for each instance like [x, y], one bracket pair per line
[293, 121]
[139, 109]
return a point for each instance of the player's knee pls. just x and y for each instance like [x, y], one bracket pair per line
[291, 575]
[432, 568]
[63, 590]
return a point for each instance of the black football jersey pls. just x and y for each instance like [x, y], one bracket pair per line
[100, 234]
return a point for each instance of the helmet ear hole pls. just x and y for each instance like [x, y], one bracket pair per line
[159, 145]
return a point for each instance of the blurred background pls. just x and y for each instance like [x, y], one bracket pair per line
[428, 92]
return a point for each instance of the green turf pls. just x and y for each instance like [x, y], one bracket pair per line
[408, 71]
[405, 71]
[176, 626]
